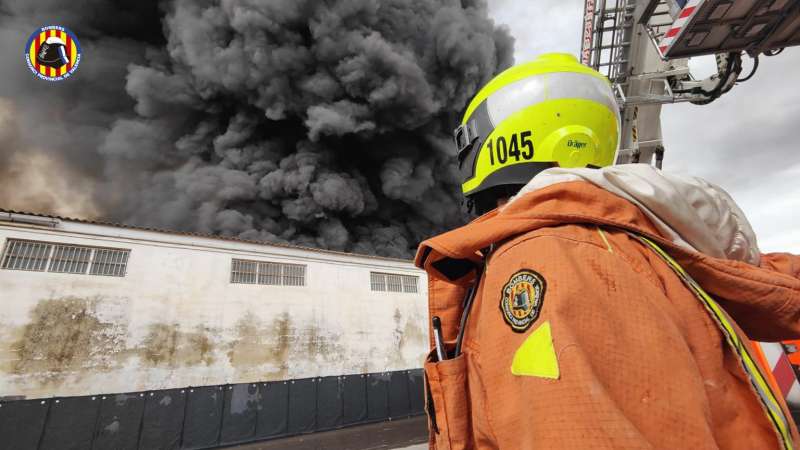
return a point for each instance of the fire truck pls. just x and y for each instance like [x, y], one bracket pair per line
[644, 48]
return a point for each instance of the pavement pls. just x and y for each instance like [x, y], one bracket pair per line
[406, 434]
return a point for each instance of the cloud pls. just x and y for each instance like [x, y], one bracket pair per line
[288, 120]
[540, 27]
[36, 180]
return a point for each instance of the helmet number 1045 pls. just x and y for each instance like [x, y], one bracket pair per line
[502, 148]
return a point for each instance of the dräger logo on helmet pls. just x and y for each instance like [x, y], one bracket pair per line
[53, 53]
[576, 144]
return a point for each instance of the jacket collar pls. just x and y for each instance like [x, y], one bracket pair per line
[452, 256]
[681, 212]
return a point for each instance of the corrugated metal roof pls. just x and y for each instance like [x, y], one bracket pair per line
[195, 234]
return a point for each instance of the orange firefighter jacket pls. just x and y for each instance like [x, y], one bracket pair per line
[624, 355]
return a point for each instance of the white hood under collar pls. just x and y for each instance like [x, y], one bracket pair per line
[692, 212]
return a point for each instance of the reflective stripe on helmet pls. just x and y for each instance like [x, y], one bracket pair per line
[546, 63]
[550, 86]
[765, 392]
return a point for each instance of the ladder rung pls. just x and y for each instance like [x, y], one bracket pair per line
[614, 63]
[604, 29]
[606, 47]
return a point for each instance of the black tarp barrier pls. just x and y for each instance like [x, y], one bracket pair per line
[119, 422]
[377, 396]
[208, 417]
[330, 392]
[21, 423]
[162, 423]
[416, 391]
[355, 399]
[239, 413]
[399, 406]
[273, 409]
[302, 405]
[70, 423]
[203, 420]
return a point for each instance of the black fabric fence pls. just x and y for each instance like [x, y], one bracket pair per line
[209, 416]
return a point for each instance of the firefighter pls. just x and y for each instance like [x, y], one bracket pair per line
[594, 306]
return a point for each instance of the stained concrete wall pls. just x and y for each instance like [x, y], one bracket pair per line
[175, 319]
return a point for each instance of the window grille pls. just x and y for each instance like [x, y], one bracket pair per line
[267, 273]
[383, 282]
[70, 259]
[294, 275]
[244, 271]
[410, 284]
[394, 283]
[109, 262]
[26, 255]
[378, 281]
[64, 258]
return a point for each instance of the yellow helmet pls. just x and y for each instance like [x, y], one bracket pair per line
[551, 111]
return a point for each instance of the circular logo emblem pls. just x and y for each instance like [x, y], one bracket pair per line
[521, 299]
[53, 53]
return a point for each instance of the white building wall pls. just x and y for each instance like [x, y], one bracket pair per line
[175, 319]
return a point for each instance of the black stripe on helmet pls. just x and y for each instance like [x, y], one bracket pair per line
[469, 138]
[515, 174]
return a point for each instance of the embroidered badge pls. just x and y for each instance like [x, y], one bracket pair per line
[521, 299]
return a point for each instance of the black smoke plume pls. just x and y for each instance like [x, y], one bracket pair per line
[316, 122]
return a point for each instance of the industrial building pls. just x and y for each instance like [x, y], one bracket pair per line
[97, 318]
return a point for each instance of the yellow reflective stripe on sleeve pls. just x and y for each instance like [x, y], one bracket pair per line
[757, 379]
[536, 357]
[603, 235]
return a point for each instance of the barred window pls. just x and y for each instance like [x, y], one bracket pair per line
[394, 283]
[70, 259]
[410, 284]
[26, 255]
[244, 271]
[387, 282]
[64, 258]
[109, 262]
[268, 273]
[294, 275]
[378, 281]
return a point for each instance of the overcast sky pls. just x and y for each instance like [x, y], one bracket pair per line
[745, 142]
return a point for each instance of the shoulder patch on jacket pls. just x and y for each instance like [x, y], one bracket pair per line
[521, 299]
[536, 357]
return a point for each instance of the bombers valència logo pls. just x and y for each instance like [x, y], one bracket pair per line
[53, 53]
[521, 299]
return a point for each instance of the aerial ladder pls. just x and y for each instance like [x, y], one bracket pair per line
[644, 47]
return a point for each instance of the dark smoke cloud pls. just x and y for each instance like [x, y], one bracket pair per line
[321, 123]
